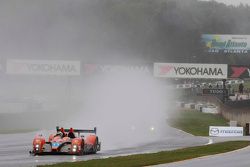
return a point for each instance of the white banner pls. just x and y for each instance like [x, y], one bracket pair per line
[185, 70]
[184, 86]
[43, 67]
[97, 68]
[225, 131]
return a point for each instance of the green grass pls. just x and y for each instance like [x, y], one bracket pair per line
[196, 123]
[158, 158]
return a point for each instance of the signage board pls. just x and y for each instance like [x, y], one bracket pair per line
[224, 131]
[214, 91]
[184, 86]
[226, 43]
[43, 67]
[108, 69]
[238, 71]
[185, 70]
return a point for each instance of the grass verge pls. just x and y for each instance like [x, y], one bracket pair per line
[158, 158]
[196, 123]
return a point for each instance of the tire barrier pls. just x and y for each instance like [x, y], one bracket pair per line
[201, 107]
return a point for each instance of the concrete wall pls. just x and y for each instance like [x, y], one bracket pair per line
[237, 111]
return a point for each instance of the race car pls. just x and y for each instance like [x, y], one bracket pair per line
[67, 143]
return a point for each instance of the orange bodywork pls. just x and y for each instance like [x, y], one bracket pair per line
[40, 141]
[51, 137]
[67, 145]
[78, 142]
[91, 139]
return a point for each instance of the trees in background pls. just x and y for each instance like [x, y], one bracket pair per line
[170, 30]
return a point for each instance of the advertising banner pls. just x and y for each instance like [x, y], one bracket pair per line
[43, 67]
[98, 68]
[226, 43]
[184, 86]
[225, 131]
[238, 71]
[185, 70]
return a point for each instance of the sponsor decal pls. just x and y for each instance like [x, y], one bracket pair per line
[166, 69]
[214, 131]
[238, 71]
[55, 144]
[223, 131]
[89, 68]
[96, 68]
[43, 67]
[235, 44]
[184, 70]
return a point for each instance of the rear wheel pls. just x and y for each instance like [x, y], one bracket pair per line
[94, 149]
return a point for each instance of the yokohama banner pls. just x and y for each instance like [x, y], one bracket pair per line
[184, 70]
[43, 67]
[238, 71]
[227, 43]
[107, 69]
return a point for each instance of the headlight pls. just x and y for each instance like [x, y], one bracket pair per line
[74, 148]
[37, 147]
[152, 128]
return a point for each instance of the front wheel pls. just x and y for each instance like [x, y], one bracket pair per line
[81, 152]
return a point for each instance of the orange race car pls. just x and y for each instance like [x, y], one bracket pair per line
[65, 141]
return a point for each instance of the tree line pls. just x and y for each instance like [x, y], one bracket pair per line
[170, 30]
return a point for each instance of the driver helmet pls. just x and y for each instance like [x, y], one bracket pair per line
[71, 130]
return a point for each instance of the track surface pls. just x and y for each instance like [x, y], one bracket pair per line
[239, 158]
[14, 149]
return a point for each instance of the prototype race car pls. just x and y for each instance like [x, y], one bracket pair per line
[67, 143]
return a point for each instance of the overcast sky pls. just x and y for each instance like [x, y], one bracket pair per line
[233, 2]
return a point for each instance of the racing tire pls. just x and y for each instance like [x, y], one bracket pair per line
[82, 150]
[94, 149]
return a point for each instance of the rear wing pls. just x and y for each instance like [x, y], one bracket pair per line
[79, 130]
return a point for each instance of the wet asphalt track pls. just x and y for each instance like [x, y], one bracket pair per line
[238, 158]
[14, 149]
